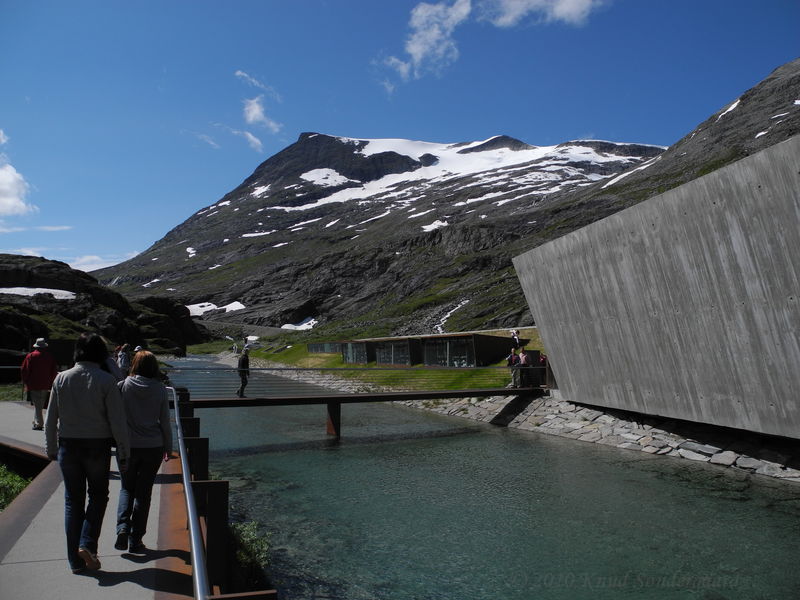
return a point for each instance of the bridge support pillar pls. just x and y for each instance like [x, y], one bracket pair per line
[334, 426]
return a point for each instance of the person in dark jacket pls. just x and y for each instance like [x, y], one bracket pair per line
[84, 420]
[244, 371]
[39, 369]
[147, 410]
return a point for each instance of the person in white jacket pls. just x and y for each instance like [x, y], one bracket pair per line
[85, 419]
[147, 410]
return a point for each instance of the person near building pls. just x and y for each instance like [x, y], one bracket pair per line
[85, 419]
[147, 409]
[39, 369]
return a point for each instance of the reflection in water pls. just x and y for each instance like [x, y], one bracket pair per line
[414, 505]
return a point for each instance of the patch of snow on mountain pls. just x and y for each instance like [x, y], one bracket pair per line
[437, 224]
[326, 177]
[641, 167]
[423, 213]
[302, 223]
[729, 109]
[488, 196]
[214, 267]
[149, 283]
[760, 133]
[191, 251]
[259, 190]
[305, 325]
[26, 291]
[376, 218]
[450, 165]
[258, 233]
[196, 310]
[332, 223]
[278, 245]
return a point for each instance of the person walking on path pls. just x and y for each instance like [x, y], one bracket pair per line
[147, 409]
[244, 371]
[39, 369]
[84, 420]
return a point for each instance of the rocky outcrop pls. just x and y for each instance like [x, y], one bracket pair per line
[161, 324]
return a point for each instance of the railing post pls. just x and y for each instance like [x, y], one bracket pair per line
[197, 448]
[334, 425]
[213, 495]
[190, 426]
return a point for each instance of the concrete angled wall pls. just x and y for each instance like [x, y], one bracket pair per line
[686, 305]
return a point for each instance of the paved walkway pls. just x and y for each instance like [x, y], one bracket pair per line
[33, 561]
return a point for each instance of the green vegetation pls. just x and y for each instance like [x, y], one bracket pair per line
[212, 347]
[10, 391]
[251, 552]
[11, 485]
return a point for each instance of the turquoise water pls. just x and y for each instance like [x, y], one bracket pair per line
[411, 505]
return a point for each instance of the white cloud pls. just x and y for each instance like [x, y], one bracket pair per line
[207, 139]
[508, 13]
[254, 114]
[53, 227]
[3, 137]
[92, 262]
[431, 46]
[256, 83]
[252, 140]
[13, 191]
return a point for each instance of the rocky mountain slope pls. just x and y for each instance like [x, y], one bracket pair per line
[393, 236]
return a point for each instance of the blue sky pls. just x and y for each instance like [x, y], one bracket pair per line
[119, 120]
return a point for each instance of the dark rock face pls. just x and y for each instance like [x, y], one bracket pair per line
[388, 248]
[160, 323]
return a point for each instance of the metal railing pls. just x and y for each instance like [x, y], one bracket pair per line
[196, 545]
[291, 381]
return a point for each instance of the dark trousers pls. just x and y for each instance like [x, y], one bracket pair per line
[135, 491]
[84, 466]
[240, 391]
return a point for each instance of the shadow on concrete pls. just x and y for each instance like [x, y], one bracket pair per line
[157, 580]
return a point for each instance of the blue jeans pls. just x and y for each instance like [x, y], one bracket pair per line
[134, 495]
[84, 464]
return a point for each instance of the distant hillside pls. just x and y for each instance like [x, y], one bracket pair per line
[373, 237]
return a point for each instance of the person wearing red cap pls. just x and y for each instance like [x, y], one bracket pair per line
[39, 369]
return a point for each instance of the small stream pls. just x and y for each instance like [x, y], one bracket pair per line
[412, 505]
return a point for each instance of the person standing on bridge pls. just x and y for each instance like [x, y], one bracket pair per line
[244, 371]
[524, 368]
[147, 409]
[512, 361]
[84, 420]
[38, 370]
